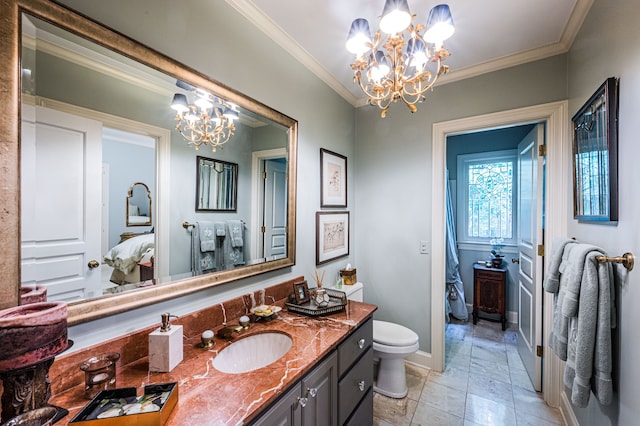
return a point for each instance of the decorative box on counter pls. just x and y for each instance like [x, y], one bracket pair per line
[122, 407]
[349, 276]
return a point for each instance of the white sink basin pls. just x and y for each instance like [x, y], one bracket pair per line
[252, 352]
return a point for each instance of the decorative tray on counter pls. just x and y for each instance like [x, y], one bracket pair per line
[337, 302]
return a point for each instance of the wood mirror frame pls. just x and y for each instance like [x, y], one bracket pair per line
[10, 97]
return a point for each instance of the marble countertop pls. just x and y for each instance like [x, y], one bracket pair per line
[210, 397]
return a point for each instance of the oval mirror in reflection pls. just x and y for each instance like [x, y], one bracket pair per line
[139, 205]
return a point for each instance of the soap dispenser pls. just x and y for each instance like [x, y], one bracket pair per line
[165, 345]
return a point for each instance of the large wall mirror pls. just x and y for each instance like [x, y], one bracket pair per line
[87, 112]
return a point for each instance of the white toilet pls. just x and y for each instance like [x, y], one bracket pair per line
[392, 343]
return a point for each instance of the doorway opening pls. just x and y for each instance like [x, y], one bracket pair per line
[555, 117]
[493, 230]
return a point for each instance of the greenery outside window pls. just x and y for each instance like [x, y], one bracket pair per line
[487, 197]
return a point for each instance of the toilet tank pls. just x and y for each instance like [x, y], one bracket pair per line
[354, 292]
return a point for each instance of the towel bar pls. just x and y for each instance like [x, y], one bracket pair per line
[626, 259]
[186, 225]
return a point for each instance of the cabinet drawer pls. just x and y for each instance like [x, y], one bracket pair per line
[354, 386]
[364, 413]
[354, 346]
[490, 275]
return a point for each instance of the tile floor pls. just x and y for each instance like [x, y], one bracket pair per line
[484, 383]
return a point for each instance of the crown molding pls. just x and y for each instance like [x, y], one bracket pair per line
[263, 22]
[277, 34]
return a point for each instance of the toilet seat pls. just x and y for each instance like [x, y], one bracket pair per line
[390, 334]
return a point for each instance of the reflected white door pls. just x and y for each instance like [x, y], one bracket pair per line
[530, 176]
[61, 198]
[275, 208]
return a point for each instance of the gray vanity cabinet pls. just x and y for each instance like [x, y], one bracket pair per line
[313, 401]
[337, 391]
[285, 412]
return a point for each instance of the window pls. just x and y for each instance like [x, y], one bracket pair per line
[486, 196]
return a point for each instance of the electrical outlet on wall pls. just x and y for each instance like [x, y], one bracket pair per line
[424, 247]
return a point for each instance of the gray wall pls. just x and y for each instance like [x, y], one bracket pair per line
[607, 46]
[393, 198]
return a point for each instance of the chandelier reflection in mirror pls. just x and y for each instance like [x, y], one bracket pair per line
[404, 69]
[209, 120]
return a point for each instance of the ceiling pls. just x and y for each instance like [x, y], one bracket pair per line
[490, 34]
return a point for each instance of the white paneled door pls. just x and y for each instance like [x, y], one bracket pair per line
[60, 203]
[275, 208]
[530, 184]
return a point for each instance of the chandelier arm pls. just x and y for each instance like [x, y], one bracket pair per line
[372, 97]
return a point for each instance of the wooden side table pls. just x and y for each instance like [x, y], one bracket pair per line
[489, 292]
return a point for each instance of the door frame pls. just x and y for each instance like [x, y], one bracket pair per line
[555, 115]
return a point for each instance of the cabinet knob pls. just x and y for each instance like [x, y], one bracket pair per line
[303, 401]
[361, 385]
[312, 392]
[361, 343]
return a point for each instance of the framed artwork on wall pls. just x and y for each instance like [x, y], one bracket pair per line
[333, 179]
[595, 156]
[332, 236]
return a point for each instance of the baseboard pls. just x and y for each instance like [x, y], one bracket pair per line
[567, 412]
[420, 359]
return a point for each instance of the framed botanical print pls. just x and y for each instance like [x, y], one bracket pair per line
[332, 236]
[333, 179]
[595, 156]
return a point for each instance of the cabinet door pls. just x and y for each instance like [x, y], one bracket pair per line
[285, 412]
[488, 293]
[320, 388]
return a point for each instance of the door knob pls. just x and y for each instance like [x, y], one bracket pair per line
[93, 264]
[515, 260]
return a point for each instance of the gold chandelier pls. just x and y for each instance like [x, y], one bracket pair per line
[207, 121]
[404, 70]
